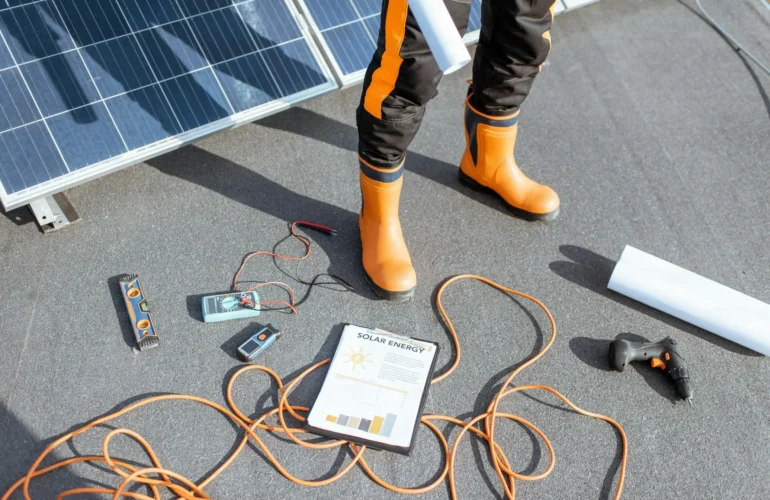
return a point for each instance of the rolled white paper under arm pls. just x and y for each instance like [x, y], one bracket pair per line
[693, 298]
[441, 34]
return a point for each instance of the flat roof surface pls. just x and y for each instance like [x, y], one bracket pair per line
[652, 129]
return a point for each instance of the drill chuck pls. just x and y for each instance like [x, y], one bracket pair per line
[681, 378]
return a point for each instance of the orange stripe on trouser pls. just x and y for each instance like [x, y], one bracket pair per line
[384, 78]
[547, 34]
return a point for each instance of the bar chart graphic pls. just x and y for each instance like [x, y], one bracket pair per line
[380, 426]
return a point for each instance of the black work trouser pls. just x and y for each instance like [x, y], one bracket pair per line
[403, 75]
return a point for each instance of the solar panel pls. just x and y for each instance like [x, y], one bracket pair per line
[87, 86]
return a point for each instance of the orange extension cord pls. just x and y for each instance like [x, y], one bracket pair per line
[156, 477]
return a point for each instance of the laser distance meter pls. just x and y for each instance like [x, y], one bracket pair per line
[258, 343]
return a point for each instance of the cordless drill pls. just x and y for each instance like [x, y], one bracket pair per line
[664, 355]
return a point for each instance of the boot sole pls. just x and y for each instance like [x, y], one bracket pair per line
[467, 181]
[389, 295]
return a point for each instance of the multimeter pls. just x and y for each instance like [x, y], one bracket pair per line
[258, 343]
[225, 306]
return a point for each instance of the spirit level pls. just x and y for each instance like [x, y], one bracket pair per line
[139, 312]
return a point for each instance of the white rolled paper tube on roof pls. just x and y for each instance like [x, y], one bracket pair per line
[693, 298]
[441, 34]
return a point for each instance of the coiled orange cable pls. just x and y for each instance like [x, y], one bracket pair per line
[156, 477]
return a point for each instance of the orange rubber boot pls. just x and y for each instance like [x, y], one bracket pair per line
[488, 164]
[385, 257]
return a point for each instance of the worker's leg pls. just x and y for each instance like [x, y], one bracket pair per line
[515, 41]
[400, 81]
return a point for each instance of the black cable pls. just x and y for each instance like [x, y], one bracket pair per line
[312, 284]
[329, 285]
[738, 47]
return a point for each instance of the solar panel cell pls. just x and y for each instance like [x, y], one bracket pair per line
[196, 99]
[84, 142]
[6, 61]
[90, 22]
[143, 117]
[222, 35]
[368, 7]
[330, 13]
[194, 7]
[293, 68]
[373, 27]
[351, 57]
[16, 105]
[171, 50]
[270, 22]
[143, 14]
[247, 82]
[117, 66]
[28, 157]
[474, 22]
[9, 174]
[34, 31]
[60, 83]
[16, 3]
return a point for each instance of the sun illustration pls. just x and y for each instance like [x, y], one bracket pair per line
[358, 358]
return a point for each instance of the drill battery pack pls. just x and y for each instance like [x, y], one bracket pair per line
[139, 312]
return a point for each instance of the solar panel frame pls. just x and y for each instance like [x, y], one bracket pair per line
[131, 156]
